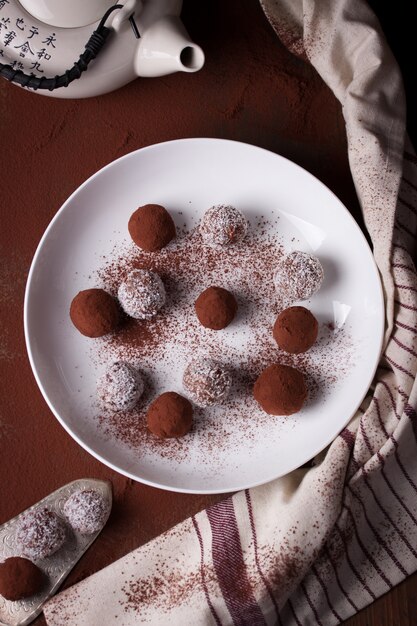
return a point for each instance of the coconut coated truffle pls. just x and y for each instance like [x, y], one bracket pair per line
[142, 294]
[40, 533]
[206, 382]
[170, 415]
[223, 225]
[20, 578]
[215, 308]
[95, 313]
[151, 227]
[120, 387]
[87, 511]
[280, 390]
[295, 329]
[299, 276]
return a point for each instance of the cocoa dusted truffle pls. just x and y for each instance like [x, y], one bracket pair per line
[95, 313]
[142, 294]
[170, 415]
[87, 511]
[299, 276]
[151, 227]
[295, 329]
[20, 578]
[280, 390]
[40, 533]
[120, 387]
[207, 382]
[223, 225]
[215, 308]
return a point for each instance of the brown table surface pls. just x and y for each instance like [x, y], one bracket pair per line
[250, 89]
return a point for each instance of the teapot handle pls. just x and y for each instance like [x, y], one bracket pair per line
[128, 10]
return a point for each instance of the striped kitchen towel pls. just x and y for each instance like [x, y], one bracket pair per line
[323, 542]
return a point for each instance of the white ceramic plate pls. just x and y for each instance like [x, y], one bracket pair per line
[188, 176]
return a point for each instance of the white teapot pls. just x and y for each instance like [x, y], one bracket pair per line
[46, 37]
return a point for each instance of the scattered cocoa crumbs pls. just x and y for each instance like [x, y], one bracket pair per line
[162, 347]
[164, 590]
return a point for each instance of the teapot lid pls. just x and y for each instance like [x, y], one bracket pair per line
[67, 14]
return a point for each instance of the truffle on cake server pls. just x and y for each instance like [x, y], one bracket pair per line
[87, 510]
[20, 578]
[48, 572]
[41, 533]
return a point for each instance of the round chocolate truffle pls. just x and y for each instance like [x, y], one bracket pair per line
[299, 276]
[151, 227]
[40, 533]
[20, 578]
[206, 382]
[295, 329]
[223, 225]
[142, 294]
[280, 390]
[170, 415]
[95, 313]
[120, 387]
[215, 308]
[87, 511]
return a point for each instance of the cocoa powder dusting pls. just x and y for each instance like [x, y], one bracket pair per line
[162, 347]
[164, 590]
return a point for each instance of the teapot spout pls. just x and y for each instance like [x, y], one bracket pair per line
[165, 47]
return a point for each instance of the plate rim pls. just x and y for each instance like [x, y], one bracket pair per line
[26, 304]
